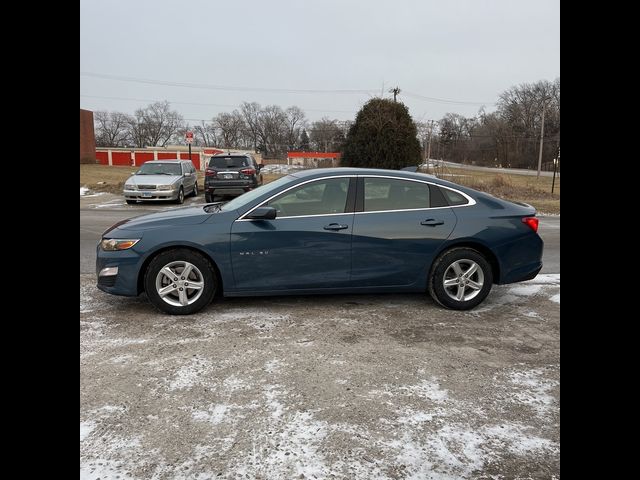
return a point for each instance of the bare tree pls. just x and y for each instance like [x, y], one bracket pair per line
[327, 135]
[296, 120]
[155, 125]
[205, 135]
[229, 126]
[112, 129]
[251, 114]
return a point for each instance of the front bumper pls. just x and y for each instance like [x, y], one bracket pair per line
[142, 195]
[119, 272]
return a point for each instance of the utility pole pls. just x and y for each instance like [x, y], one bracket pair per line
[430, 136]
[395, 92]
[544, 105]
[556, 161]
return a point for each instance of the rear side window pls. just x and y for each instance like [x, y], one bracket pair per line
[391, 194]
[454, 198]
[228, 162]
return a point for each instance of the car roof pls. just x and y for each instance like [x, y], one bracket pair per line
[327, 172]
[168, 160]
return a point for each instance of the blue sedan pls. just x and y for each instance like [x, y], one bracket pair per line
[341, 230]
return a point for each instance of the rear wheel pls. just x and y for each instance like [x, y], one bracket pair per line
[209, 197]
[131, 202]
[195, 190]
[180, 282]
[461, 278]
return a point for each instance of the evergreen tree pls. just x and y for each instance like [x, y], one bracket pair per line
[304, 141]
[383, 136]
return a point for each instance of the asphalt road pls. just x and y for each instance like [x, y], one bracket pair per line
[517, 171]
[98, 213]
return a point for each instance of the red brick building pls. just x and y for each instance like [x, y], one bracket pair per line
[87, 137]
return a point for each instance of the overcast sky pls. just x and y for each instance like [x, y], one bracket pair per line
[339, 53]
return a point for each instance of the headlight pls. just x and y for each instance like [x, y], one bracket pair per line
[113, 244]
[129, 186]
[165, 187]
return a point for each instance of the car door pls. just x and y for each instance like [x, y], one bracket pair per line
[308, 244]
[396, 231]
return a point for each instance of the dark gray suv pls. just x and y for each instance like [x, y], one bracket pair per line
[231, 174]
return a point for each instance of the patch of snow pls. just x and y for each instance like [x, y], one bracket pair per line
[555, 298]
[233, 384]
[85, 429]
[281, 168]
[191, 374]
[273, 366]
[545, 278]
[525, 290]
[83, 191]
[271, 394]
[535, 390]
[214, 415]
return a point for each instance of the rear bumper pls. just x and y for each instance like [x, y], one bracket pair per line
[520, 259]
[235, 186]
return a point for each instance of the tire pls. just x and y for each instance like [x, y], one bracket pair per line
[452, 266]
[195, 190]
[180, 199]
[169, 299]
[131, 202]
[209, 197]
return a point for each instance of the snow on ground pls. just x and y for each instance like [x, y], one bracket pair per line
[555, 298]
[83, 190]
[281, 168]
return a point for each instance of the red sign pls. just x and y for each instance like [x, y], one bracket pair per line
[188, 137]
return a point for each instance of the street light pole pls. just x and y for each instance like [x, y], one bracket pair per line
[544, 104]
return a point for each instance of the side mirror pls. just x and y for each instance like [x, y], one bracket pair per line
[187, 174]
[263, 213]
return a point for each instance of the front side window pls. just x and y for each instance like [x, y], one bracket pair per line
[315, 198]
[382, 194]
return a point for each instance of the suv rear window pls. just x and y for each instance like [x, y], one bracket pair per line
[226, 162]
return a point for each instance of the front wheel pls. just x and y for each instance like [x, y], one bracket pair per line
[461, 278]
[180, 199]
[180, 282]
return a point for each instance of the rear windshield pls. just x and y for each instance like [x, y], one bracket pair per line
[226, 162]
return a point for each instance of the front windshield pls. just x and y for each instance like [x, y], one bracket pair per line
[160, 169]
[245, 198]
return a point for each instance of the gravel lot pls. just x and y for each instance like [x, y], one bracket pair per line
[340, 386]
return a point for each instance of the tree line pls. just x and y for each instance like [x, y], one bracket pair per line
[269, 129]
[508, 136]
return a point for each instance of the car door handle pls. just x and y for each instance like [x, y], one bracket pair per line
[335, 226]
[432, 222]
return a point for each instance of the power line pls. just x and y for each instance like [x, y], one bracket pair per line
[444, 100]
[274, 90]
[219, 87]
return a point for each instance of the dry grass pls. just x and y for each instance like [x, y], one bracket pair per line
[521, 188]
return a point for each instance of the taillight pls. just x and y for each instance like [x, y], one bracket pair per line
[210, 173]
[531, 222]
[248, 171]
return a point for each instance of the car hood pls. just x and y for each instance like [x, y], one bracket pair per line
[174, 217]
[153, 179]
